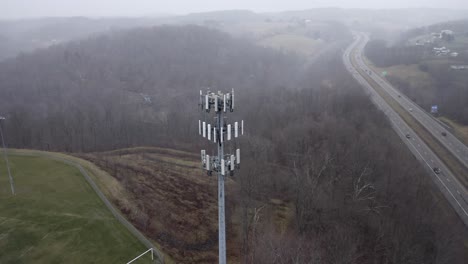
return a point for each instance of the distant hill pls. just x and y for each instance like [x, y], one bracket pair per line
[28, 34]
[407, 17]
[100, 81]
[459, 27]
[25, 35]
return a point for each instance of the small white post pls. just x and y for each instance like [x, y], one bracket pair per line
[232, 100]
[221, 135]
[232, 162]
[214, 134]
[222, 167]
[236, 129]
[224, 103]
[204, 129]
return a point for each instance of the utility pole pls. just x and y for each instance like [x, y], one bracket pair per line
[223, 164]
[12, 184]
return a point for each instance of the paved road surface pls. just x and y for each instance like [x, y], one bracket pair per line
[434, 126]
[448, 184]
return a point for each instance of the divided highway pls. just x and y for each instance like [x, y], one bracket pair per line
[448, 183]
[434, 126]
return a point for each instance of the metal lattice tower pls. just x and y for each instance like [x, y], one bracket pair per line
[220, 133]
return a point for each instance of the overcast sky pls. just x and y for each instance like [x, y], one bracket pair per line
[40, 8]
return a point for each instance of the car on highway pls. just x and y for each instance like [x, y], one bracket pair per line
[408, 136]
[399, 95]
[411, 109]
[444, 134]
[436, 170]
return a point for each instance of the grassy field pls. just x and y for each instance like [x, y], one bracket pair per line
[166, 195]
[56, 217]
[410, 73]
[293, 43]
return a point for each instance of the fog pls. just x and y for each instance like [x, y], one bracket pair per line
[355, 147]
[25, 8]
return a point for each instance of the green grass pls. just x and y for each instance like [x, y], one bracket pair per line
[56, 217]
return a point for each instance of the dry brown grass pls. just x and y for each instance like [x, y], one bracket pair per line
[169, 198]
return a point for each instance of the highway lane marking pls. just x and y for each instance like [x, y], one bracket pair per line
[392, 91]
[464, 211]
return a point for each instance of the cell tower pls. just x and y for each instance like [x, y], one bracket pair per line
[220, 133]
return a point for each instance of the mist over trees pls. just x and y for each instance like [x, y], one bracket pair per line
[359, 195]
[383, 56]
[86, 95]
[314, 142]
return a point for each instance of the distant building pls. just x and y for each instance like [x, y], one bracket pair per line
[447, 35]
[459, 67]
[147, 98]
[441, 51]
[446, 32]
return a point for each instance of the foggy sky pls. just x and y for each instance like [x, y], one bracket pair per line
[41, 8]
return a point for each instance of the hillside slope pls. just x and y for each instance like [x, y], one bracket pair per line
[55, 217]
[167, 196]
[89, 95]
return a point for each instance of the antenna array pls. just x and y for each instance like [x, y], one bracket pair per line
[220, 133]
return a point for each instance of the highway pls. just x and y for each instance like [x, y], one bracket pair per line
[434, 126]
[448, 183]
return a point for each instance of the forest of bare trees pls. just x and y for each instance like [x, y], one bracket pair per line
[85, 96]
[359, 195]
[314, 142]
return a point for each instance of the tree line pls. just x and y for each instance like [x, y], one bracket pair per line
[314, 142]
